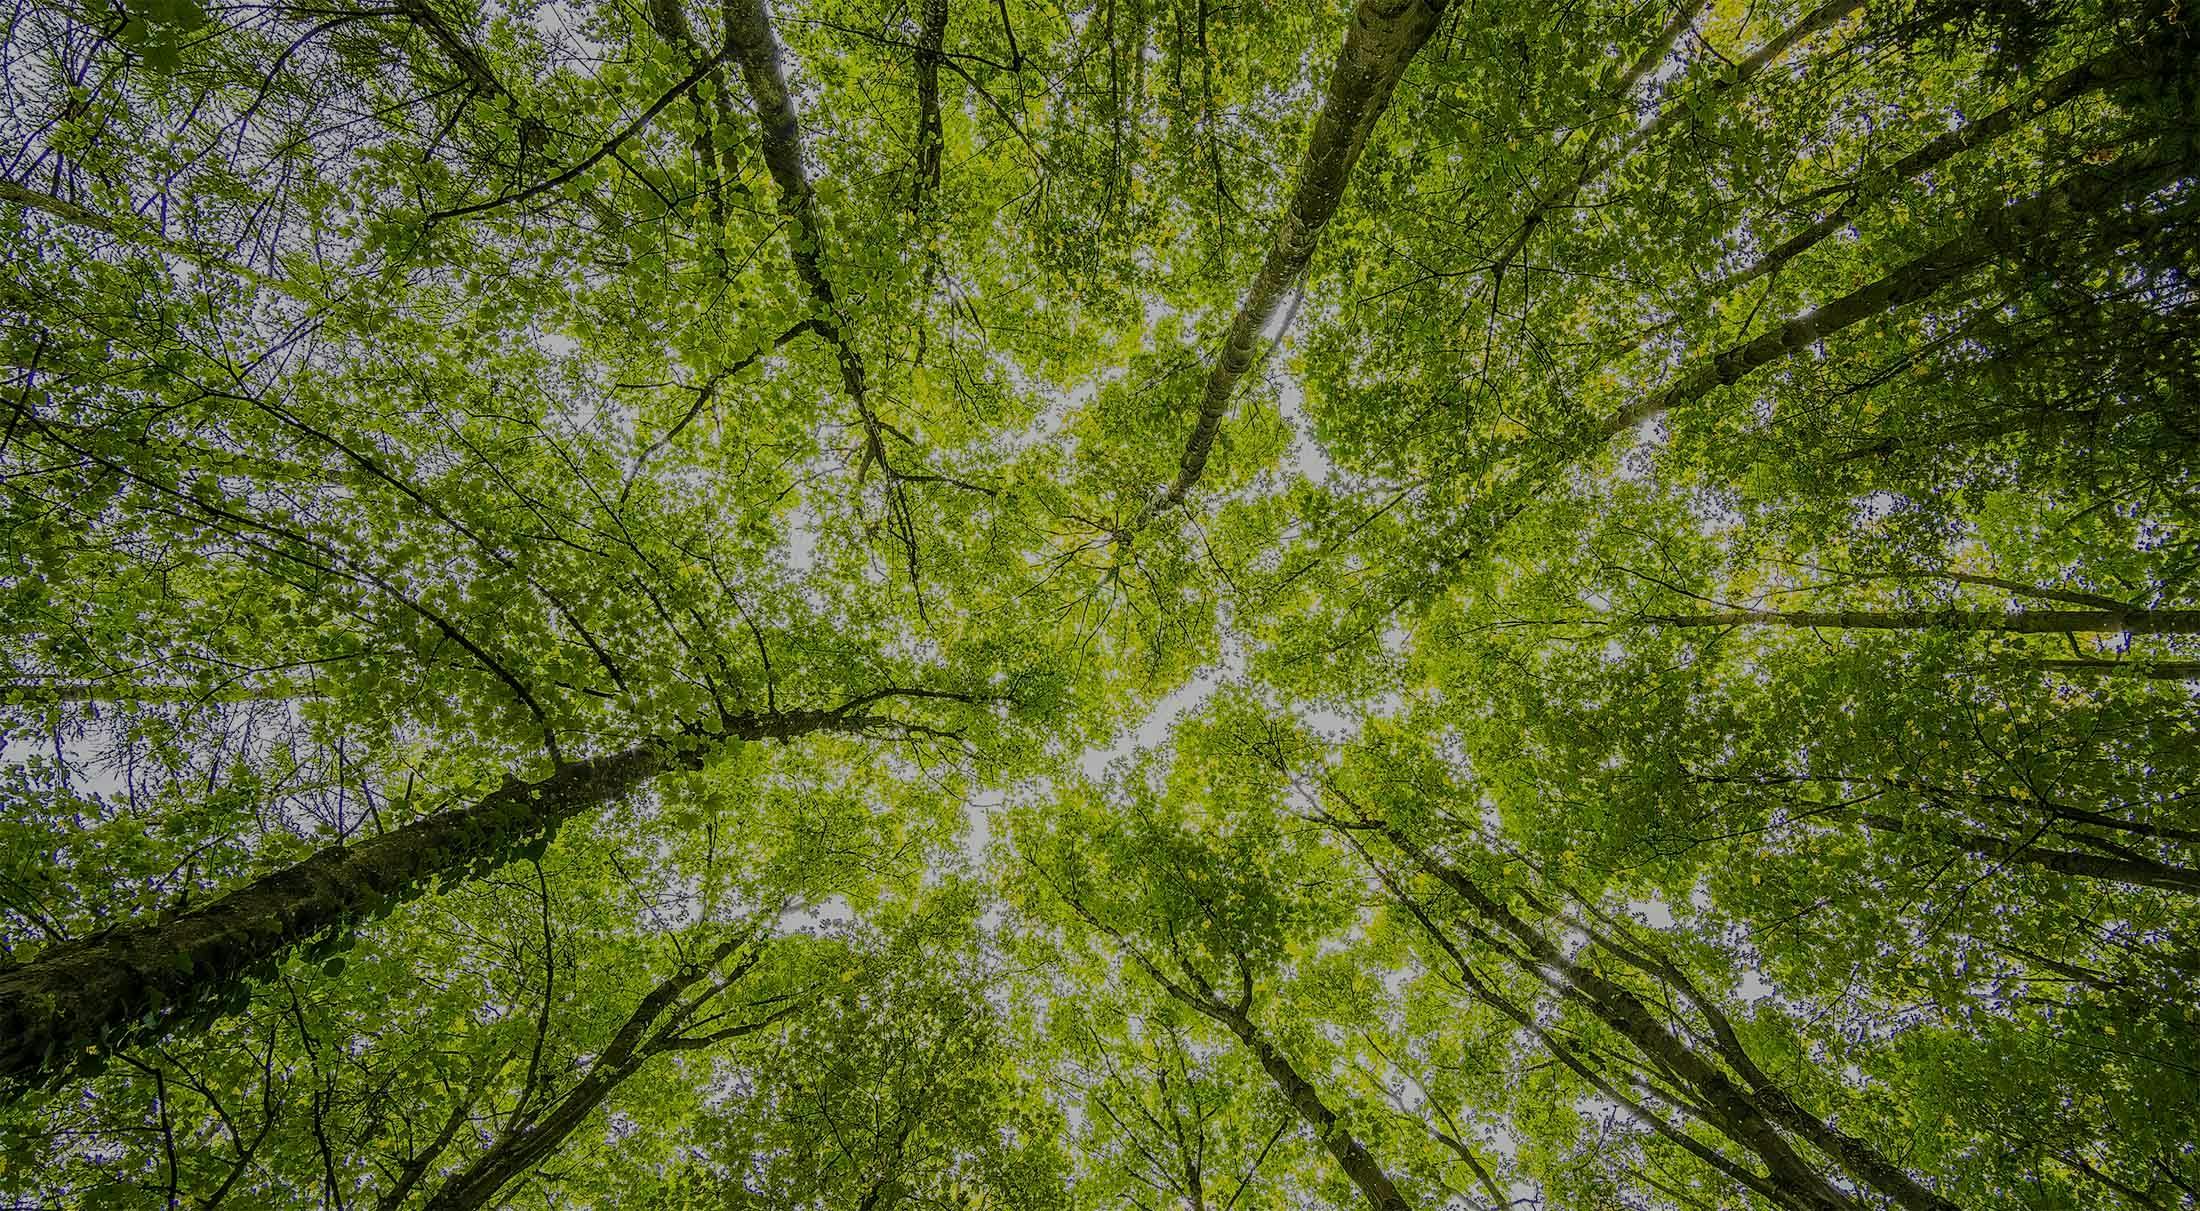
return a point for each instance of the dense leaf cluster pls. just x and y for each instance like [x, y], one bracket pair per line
[1117, 604]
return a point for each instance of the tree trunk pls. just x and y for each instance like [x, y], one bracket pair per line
[2157, 670]
[2044, 216]
[756, 47]
[1593, 166]
[2140, 872]
[2030, 622]
[1351, 1155]
[143, 235]
[462, 54]
[930, 140]
[2122, 64]
[142, 979]
[1751, 1112]
[529, 1142]
[1382, 41]
[1788, 1182]
[1359, 1165]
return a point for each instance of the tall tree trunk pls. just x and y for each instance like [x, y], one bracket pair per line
[2138, 871]
[1748, 1107]
[1788, 1182]
[2054, 213]
[2157, 670]
[2120, 65]
[2030, 622]
[753, 43]
[1382, 41]
[141, 980]
[1350, 1154]
[1593, 166]
[756, 48]
[144, 235]
[653, 1029]
[930, 140]
[462, 54]
[1197, 993]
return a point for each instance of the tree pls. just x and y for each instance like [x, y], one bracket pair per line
[1137, 603]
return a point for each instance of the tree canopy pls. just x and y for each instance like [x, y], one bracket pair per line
[883, 605]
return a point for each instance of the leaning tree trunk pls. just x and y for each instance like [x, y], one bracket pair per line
[2059, 212]
[755, 46]
[1334, 1133]
[1747, 1107]
[1384, 37]
[1351, 1155]
[931, 142]
[150, 239]
[141, 980]
[653, 1029]
[2030, 622]
[2124, 64]
[2135, 870]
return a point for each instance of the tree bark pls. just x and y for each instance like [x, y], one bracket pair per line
[2139, 872]
[2157, 670]
[2117, 66]
[930, 139]
[1789, 1183]
[1383, 38]
[462, 54]
[755, 46]
[752, 42]
[651, 1030]
[1351, 1155]
[1751, 1111]
[2030, 622]
[143, 979]
[1594, 166]
[2044, 216]
[143, 235]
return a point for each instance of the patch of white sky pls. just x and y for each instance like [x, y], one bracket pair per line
[1059, 403]
[824, 916]
[562, 24]
[797, 549]
[1153, 730]
[1306, 459]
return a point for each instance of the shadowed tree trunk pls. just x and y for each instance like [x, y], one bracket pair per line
[756, 48]
[1382, 41]
[2133, 869]
[657, 1025]
[2054, 213]
[1345, 1148]
[149, 238]
[930, 140]
[2030, 622]
[2120, 65]
[1746, 1105]
[1788, 1182]
[462, 54]
[142, 979]
[1594, 165]
[1194, 992]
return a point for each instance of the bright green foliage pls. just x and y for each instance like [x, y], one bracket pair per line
[632, 605]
